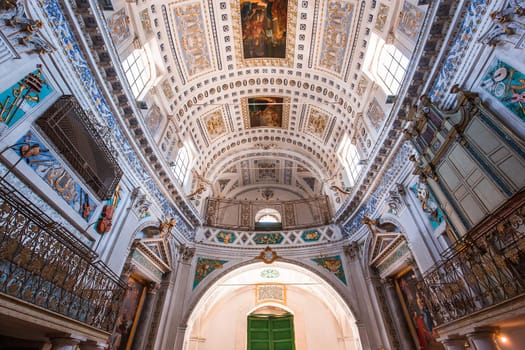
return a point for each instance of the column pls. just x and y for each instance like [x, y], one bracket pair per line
[64, 342]
[454, 343]
[144, 324]
[484, 339]
[92, 345]
[173, 338]
[396, 311]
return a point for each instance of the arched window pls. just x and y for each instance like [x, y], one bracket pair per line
[268, 219]
[350, 158]
[391, 68]
[137, 72]
[181, 164]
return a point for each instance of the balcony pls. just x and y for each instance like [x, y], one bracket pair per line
[484, 270]
[43, 264]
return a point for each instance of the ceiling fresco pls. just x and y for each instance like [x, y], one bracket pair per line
[264, 90]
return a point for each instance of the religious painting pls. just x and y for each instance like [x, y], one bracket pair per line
[264, 27]
[417, 316]
[507, 85]
[128, 316]
[265, 112]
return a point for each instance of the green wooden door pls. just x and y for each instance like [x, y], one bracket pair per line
[270, 332]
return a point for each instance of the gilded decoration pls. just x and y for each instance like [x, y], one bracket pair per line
[204, 267]
[167, 89]
[268, 238]
[375, 114]
[54, 173]
[226, 237]
[265, 32]
[410, 20]
[145, 20]
[335, 39]
[333, 264]
[268, 292]
[118, 25]
[382, 16]
[21, 97]
[189, 22]
[215, 125]
[266, 111]
[311, 235]
[317, 123]
[268, 255]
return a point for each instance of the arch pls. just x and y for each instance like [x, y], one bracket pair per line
[229, 285]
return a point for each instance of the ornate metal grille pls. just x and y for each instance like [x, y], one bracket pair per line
[45, 265]
[485, 269]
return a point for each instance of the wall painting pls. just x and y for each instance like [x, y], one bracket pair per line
[506, 84]
[375, 114]
[311, 235]
[317, 122]
[226, 237]
[47, 167]
[332, 264]
[428, 204]
[128, 316]
[204, 267]
[215, 125]
[264, 28]
[416, 314]
[268, 238]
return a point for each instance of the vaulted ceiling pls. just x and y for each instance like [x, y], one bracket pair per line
[262, 90]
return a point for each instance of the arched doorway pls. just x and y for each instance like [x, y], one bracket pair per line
[321, 318]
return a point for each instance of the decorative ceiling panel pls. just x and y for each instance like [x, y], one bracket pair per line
[333, 44]
[264, 32]
[214, 124]
[317, 123]
[190, 26]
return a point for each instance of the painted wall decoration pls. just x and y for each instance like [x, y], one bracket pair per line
[265, 112]
[19, 98]
[332, 264]
[153, 119]
[264, 28]
[410, 20]
[417, 316]
[215, 125]
[382, 16]
[428, 204]
[317, 122]
[204, 267]
[105, 221]
[128, 315]
[226, 237]
[268, 238]
[335, 38]
[51, 170]
[167, 89]
[270, 273]
[507, 85]
[118, 25]
[375, 114]
[189, 21]
[270, 292]
[311, 235]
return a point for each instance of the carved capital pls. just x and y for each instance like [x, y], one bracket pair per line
[352, 250]
[186, 253]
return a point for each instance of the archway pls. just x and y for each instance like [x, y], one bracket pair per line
[321, 317]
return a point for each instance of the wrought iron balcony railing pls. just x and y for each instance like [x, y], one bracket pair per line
[45, 265]
[483, 270]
